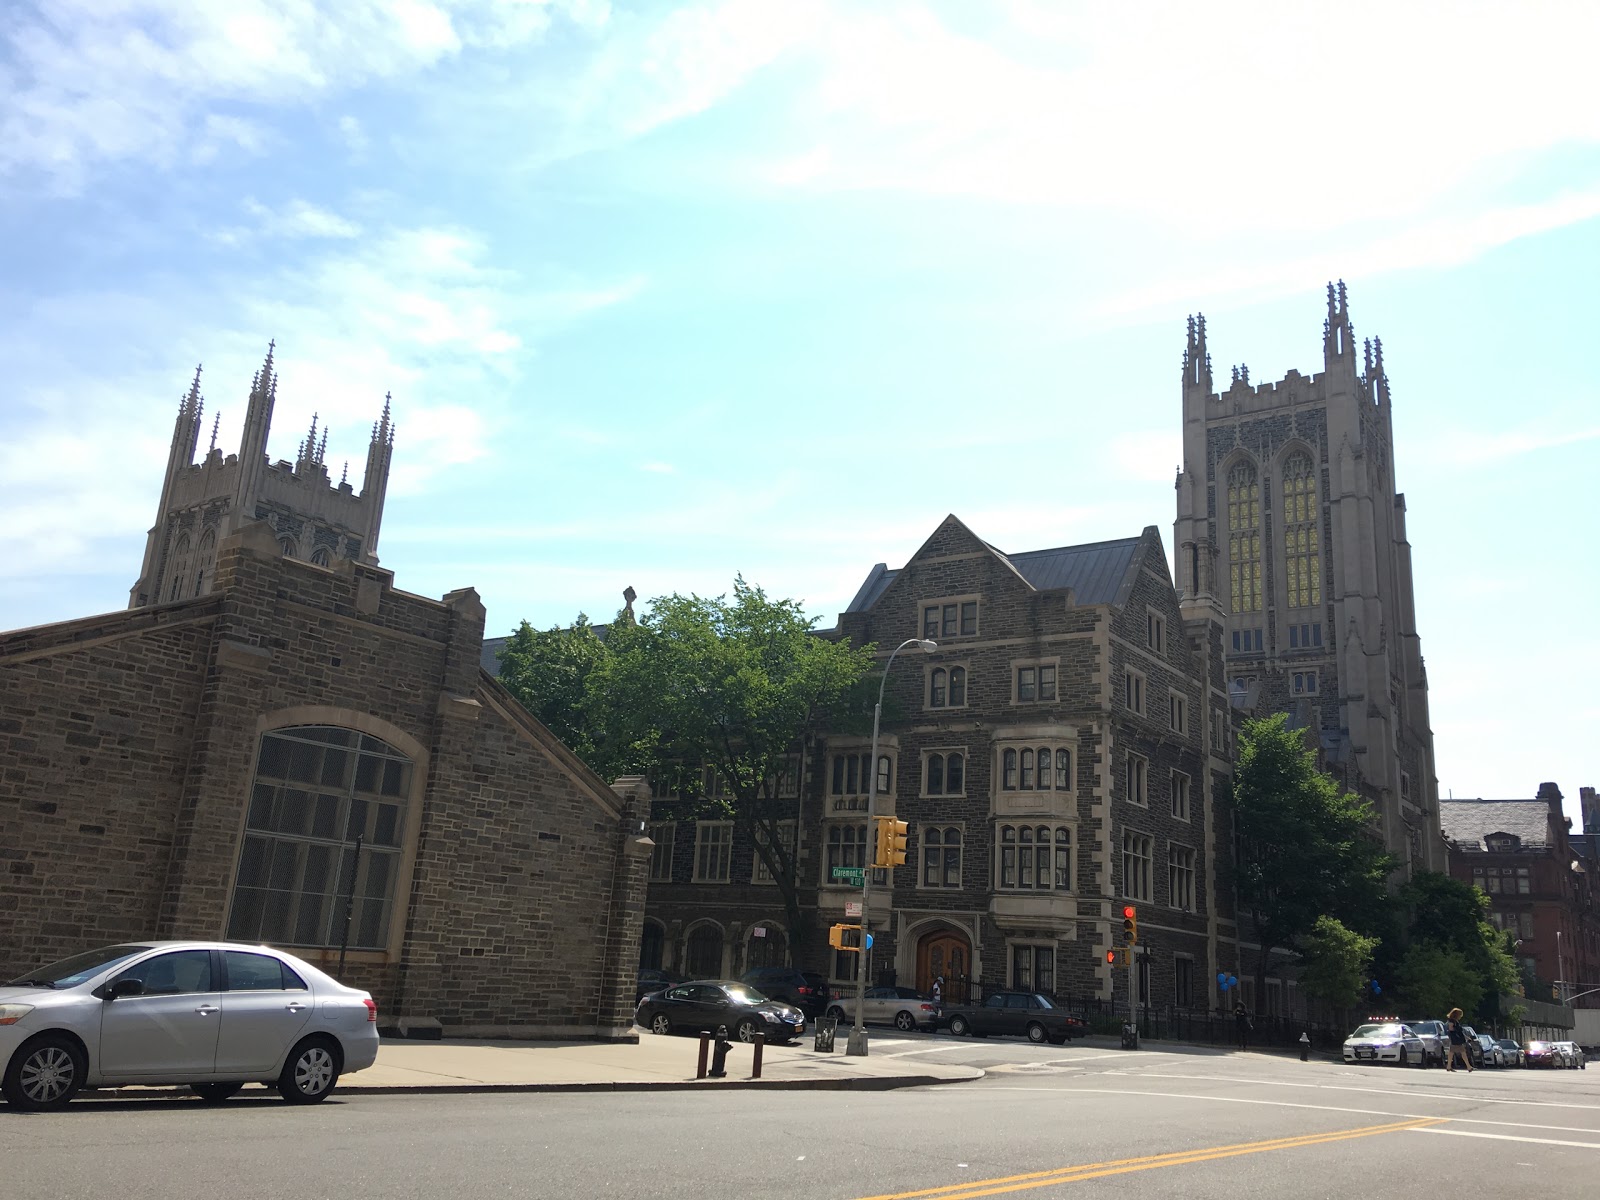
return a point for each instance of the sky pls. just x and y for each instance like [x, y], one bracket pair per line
[669, 292]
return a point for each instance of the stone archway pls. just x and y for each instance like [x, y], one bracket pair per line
[702, 957]
[945, 954]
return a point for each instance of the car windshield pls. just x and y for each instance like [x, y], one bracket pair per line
[1508, 1043]
[1377, 1031]
[741, 994]
[70, 972]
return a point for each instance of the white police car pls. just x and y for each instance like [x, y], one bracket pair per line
[1385, 1042]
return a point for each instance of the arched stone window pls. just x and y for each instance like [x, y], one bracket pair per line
[286, 545]
[178, 574]
[1302, 550]
[769, 949]
[205, 567]
[320, 557]
[703, 955]
[651, 945]
[317, 789]
[1244, 538]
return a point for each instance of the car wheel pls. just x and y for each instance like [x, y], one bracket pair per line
[1036, 1033]
[746, 1030]
[44, 1074]
[216, 1093]
[836, 1013]
[904, 1022]
[660, 1024]
[959, 1026]
[310, 1072]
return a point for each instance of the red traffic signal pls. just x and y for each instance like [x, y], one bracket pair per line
[1130, 924]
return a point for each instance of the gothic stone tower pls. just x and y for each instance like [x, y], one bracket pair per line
[202, 503]
[1289, 523]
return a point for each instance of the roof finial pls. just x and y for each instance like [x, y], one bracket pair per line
[215, 425]
[344, 475]
[322, 446]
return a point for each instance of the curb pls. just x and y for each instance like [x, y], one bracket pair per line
[882, 1083]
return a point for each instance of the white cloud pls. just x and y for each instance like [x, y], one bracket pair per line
[1469, 448]
[93, 81]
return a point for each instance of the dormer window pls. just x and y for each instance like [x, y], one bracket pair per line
[1500, 843]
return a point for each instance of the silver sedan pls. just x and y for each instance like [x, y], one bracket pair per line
[213, 1015]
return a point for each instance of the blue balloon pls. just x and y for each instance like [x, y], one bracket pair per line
[1222, 978]
[869, 941]
[1233, 981]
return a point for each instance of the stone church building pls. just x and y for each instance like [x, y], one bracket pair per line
[276, 744]
[1289, 522]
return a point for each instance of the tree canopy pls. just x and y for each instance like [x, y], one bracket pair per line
[1305, 847]
[1452, 917]
[717, 699]
[1335, 962]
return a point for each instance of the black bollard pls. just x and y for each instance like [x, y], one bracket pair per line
[719, 1056]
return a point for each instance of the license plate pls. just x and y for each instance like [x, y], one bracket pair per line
[800, 1028]
[1366, 1052]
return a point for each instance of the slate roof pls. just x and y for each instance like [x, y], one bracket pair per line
[1095, 571]
[1465, 822]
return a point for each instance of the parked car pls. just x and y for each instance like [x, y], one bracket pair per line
[1388, 1041]
[1434, 1040]
[212, 1015]
[713, 1004]
[1489, 1051]
[806, 990]
[656, 979]
[1571, 1056]
[1025, 1013]
[1511, 1053]
[1542, 1054]
[904, 1008]
[1474, 1046]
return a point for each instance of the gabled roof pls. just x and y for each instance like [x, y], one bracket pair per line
[1468, 822]
[1096, 571]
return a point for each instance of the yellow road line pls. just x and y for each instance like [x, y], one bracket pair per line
[1015, 1183]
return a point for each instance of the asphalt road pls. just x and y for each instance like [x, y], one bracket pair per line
[1048, 1121]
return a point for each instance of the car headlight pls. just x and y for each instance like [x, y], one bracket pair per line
[10, 1014]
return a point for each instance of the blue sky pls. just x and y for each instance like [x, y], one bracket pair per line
[668, 292]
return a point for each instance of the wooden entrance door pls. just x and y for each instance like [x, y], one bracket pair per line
[948, 956]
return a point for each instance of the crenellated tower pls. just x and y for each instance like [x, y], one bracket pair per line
[1290, 525]
[202, 502]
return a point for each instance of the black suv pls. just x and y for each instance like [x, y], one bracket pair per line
[806, 990]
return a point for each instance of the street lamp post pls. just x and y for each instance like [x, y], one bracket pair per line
[1561, 970]
[857, 1043]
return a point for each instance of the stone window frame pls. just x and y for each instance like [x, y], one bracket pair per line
[1031, 949]
[1138, 779]
[1182, 796]
[720, 846]
[1305, 635]
[1300, 532]
[1155, 631]
[1305, 683]
[943, 829]
[1178, 712]
[361, 722]
[1008, 760]
[1137, 882]
[841, 852]
[838, 778]
[1055, 848]
[1134, 691]
[1036, 680]
[758, 866]
[944, 754]
[961, 615]
[665, 836]
[1241, 516]
[1182, 872]
[939, 680]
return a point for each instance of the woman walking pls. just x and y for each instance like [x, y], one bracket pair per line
[1458, 1041]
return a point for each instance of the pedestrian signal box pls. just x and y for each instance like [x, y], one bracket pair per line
[845, 937]
[1117, 956]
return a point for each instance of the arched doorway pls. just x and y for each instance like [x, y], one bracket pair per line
[945, 955]
[651, 945]
[768, 949]
[703, 954]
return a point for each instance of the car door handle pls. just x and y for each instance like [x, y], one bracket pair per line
[295, 1006]
[207, 1008]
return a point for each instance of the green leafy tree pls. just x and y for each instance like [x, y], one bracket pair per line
[1305, 847]
[721, 699]
[1453, 916]
[1335, 964]
[548, 671]
[1435, 979]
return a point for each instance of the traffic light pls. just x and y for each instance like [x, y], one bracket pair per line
[1117, 956]
[1130, 924]
[891, 848]
[845, 937]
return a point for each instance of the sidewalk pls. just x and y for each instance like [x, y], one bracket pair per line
[653, 1063]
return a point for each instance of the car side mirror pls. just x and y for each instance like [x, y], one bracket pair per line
[118, 988]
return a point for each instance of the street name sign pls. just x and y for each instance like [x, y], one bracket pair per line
[850, 874]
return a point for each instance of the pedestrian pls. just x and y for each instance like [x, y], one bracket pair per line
[938, 989]
[1241, 1023]
[1458, 1041]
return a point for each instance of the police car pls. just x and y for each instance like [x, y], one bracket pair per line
[1385, 1042]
